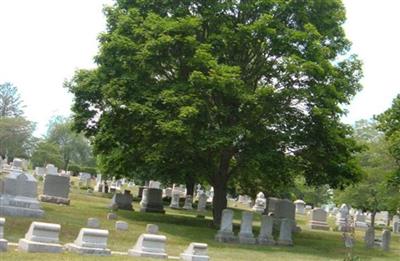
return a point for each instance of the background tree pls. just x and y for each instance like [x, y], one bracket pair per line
[389, 123]
[313, 195]
[16, 139]
[10, 101]
[209, 85]
[46, 153]
[74, 148]
[373, 193]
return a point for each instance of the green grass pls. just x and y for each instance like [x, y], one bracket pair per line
[181, 228]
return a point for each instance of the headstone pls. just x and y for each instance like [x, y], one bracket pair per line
[90, 242]
[152, 229]
[348, 240]
[175, 199]
[285, 233]
[188, 203]
[56, 188]
[300, 207]
[396, 224]
[122, 201]
[111, 216]
[386, 237]
[246, 229]
[342, 219]
[3, 242]
[225, 233]
[152, 201]
[260, 203]
[285, 208]
[99, 184]
[267, 225]
[369, 238]
[202, 204]
[121, 225]
[382, 218]
[93, 223]
[85, 178]
[149, 245]
[140, 191]
[360, 221]
[196, 252]
[51, 169]
[40, 171]
[41, 238]
[272, 204]
[167, 193]
[19, 194]
[154, 184]
[319, 219]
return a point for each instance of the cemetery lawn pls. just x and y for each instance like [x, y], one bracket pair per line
[181, 228]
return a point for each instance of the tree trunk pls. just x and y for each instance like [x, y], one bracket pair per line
[189, 186]
[219, 201]
[373, 218]
[220, 184]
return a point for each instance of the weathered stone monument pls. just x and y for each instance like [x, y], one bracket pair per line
[285, 233]
[260, 203]
[319, 219]
[201, 205]
[99, 184]
[246, 229]
[188, 203]
[342, 219]
[90, 242]
[369, 238]
[149, 245]
[121, 225]
[396, 224]
[41, 238]
[152, 229]
[360, 221]
[93, 223]
[225, 233]
[40, 171]
[195, 252]
[122, 201]
[19, 194]
[175, 199]
[300, 207]
[3, 242]
[56, 187]
[386, 237]
[267, 225]
[152, 201]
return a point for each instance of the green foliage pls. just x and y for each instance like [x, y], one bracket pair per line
[10, 101]
[373, 193]
[75, 169]
[46, 153]
[16, 138]
[74, 148]
[90, 170]
[218, 91]
[314, 195]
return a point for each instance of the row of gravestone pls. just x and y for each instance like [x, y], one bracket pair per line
[384, 241]
[44, 238]
[246, 236]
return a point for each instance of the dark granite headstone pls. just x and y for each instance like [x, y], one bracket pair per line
[152, 201]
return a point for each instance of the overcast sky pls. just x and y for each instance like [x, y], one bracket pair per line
[42, 42]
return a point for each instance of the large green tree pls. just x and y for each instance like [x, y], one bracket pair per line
[211, 87]
[46, 153]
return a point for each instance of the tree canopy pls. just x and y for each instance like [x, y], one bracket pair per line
[218, 89]
[10, 101]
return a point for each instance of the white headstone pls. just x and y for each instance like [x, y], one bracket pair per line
[246, 229]
[285, 233]
[225, 233]
[260, 203]
[152, 229]
[267, 225]
[93, 223]
[121, 225]
[154, 184]
[300, 207]
[342, 219]
[175, 199]
[318, 219]
[40, 171]
[3, 242]
[91, 242]
[188, 203]
[51, 169]
[202, 203]
[196, 252]
[149, 245]
[41, 238]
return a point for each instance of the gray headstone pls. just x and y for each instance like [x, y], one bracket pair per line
[152, 201]
[121, 225]
[152, 229]
[369, 238]
[122, 201]
[285, 233]
[93, 223]
[267, 225]
[386, 237]
[246, 229]
[225, 233]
